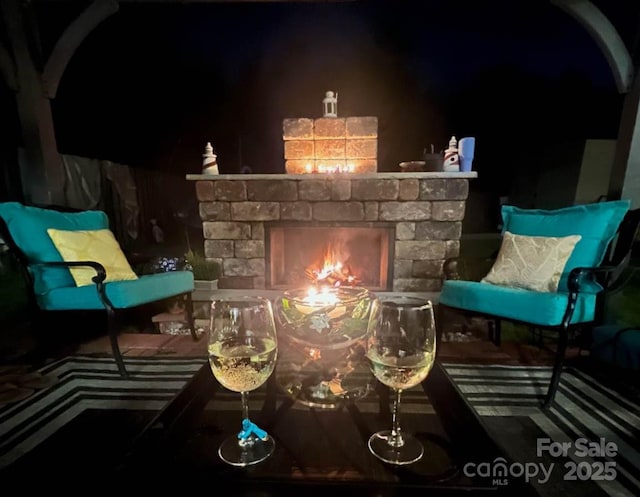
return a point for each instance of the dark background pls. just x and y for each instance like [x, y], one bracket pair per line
[156, 81]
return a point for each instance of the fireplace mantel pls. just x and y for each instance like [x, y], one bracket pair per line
[425, 208]
[320, 176]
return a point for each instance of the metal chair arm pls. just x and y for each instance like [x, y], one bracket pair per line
[98, 279]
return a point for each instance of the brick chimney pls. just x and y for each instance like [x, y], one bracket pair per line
[330, 144]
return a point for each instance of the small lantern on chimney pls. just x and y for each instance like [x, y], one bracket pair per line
[330, 104]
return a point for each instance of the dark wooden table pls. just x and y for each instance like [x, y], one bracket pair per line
[317, 450]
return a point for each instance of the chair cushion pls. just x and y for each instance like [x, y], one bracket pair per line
[92, 245]
[531, 262]
[596, 223]
[28, 228]
[122, 294]
[538, 308]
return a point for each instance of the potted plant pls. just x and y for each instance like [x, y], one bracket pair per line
[205, 272]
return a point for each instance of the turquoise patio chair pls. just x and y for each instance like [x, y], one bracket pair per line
[552, 272]
[45, 240]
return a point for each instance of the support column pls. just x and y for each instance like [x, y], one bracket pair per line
[624, 181]
[625, 174]
[42, 169]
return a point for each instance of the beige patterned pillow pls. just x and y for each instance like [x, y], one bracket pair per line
[531, 262]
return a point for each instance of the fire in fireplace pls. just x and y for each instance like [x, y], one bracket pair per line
[299, 254]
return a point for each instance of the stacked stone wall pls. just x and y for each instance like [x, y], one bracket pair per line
[427, 214]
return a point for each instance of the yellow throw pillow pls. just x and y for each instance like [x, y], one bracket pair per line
[96, 245]
[531, 262]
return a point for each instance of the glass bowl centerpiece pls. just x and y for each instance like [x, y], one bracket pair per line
[322, 333]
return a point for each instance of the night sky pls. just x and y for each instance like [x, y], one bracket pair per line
[154, 82]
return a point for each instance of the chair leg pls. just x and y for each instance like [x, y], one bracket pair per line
[113, 338]
[496, 331]
[557, 369]
[189, 314]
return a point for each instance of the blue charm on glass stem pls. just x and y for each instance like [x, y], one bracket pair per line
[248, 428]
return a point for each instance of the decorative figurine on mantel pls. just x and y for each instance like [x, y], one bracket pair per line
[330, 104]
[209, 161]
[451, 157]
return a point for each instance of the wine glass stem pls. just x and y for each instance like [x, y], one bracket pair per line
[245, 404]
[248, 441]
[395, 440]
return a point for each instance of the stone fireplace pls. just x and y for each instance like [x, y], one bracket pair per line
[392, 231]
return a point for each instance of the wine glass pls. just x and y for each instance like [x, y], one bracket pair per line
[242, 354]
[401, 349]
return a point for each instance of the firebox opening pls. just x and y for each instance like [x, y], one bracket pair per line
[357, 254]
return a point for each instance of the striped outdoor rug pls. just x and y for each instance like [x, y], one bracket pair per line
[507, 398]
[584, 409]
[89, 383]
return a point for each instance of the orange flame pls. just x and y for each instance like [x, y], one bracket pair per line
[332, 271]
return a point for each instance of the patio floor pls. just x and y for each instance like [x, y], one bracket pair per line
[136, 344]
[17, 348]
[17, 345]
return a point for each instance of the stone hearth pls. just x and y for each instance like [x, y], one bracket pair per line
[425, 209]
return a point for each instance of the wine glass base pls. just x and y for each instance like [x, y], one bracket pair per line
[232, 453]
[411, 451]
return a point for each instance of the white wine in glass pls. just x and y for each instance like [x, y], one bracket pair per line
[242, 354]
[401, 349]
